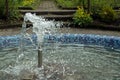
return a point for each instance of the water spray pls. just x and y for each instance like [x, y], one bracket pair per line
[41, 27]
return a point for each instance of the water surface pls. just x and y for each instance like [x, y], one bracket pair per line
[65, 62]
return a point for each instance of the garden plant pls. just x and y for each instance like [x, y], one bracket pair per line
[82, 18]
[13, 7]
[88, 11]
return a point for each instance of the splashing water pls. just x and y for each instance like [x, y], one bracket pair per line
[24, 65]
[64, 62]
[41, 26]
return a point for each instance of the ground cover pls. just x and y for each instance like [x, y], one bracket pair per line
[33, 4]
[105, 18]
[104, 12]
[68, 3]
[84, 3]
[13, 17]
[11, 7]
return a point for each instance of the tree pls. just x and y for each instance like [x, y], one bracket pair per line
[6, 9]
[89, 6]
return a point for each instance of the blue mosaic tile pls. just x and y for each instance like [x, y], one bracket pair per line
[86, 39]
[14, 41]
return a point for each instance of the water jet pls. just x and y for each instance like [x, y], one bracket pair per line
[65, 56]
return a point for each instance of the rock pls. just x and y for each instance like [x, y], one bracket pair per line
[7, 76]
[27, 75]
[73, 77]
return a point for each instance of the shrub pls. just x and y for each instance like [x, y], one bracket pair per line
[82, 18]
[12, 4]
[27, 2]
[13, 13]
[107, 14]
[31, 3]
[68, 3]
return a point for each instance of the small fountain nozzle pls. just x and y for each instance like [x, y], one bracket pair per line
[39, 57]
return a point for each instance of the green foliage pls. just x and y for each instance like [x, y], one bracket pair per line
[94, 3]
[35, 4]
[82, 18]
[97, 5]
[27, 2]
[30, 3]
[2, 3]
[100, 3]
[12, 4]
[107, 14]
[68, 3]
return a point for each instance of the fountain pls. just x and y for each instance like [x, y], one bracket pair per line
[59, 56]
[40, 28]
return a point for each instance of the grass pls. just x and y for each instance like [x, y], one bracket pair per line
[31, 3]
[68, 3]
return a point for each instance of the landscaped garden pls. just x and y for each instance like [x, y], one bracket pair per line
[97, 3]
[9, 8]
[9, 11]
[104, 11]
[88, 12]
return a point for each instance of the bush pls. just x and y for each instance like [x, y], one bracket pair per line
[12, 13]
[68, 3]
[30, 3]
[82, 18]
[27, 2]
[13, 6]
[107, 14]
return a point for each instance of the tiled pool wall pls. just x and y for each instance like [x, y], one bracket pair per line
[86, 39]
[15, 41]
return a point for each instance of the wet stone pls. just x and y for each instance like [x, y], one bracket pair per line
[7, 76]
[73, 77]
[27, 75]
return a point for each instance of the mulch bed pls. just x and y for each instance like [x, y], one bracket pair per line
[10, 23]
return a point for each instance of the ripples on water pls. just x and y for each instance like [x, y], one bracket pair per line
[64, 62]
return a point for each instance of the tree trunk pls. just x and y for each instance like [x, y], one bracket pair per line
[89, 6]
[6, 9]
[83, 3]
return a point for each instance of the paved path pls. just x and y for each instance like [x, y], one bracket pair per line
[48, 5]
[15, 31]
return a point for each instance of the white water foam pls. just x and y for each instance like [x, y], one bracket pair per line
[40, 27]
